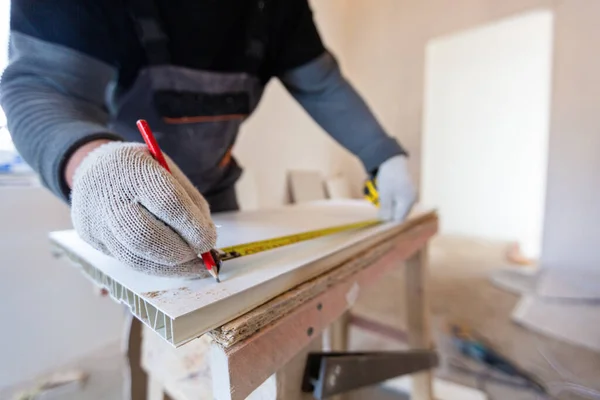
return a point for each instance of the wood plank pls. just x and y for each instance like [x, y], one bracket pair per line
[137, 380]
[193, 307]
[242, 367]
[155, 389]
[338, 333]
[183, 373]
[249, 323]
[243, 326]
[418, 320]
[286, 384]
[289, 377]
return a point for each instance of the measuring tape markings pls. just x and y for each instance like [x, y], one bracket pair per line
[240, 250]
[236, 251]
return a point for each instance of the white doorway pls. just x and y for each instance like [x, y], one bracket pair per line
[485, 129]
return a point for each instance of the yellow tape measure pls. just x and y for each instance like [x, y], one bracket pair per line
[241, 250]
[370, 191]
[229, 253]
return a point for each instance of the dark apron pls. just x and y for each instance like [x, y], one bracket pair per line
[195, 114]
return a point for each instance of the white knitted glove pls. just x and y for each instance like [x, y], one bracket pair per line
[125, 204]
[397, 193]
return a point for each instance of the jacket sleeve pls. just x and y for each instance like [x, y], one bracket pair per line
[312, 76]
[334, 104]
[52, 93]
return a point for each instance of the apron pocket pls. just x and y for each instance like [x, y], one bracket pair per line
[182, 107]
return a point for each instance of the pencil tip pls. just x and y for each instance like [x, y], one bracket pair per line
[218, 280]
[214, 274]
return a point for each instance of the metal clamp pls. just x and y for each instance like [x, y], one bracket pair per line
[328, 374]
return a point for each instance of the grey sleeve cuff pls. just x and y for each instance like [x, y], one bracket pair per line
[376, 153]
[53, 98]
[53, 175]
[334, 104]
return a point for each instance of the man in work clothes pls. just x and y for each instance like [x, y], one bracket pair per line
[82, 72]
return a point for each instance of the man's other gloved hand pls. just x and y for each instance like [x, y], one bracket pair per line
[397, 193]
[128, 206]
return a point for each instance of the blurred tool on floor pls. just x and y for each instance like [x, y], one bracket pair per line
[473, 346]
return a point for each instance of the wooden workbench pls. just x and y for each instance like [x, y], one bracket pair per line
[260, 354]
[268, 363]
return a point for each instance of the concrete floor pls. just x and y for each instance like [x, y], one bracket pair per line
[105, 382]
[460, 292]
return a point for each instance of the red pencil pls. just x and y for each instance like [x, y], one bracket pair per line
[209, 261]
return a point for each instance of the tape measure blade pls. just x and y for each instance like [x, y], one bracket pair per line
[245, 249]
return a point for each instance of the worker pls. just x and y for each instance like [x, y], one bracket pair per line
[82, 72]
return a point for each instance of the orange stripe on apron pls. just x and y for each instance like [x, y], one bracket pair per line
[226, 159]
[216, 118]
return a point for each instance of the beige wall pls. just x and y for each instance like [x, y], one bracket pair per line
[572, 224]
[485, 129]
[280, 123]
[44, 296]
[381, 46]
[386, 53]
[387, 38]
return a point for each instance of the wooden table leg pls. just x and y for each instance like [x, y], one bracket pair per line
[286, 384]
[156, 390]
[338, 338]
[418, 319]
[136, 379]
[338, 333]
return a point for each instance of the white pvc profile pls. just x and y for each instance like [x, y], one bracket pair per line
[152, 317]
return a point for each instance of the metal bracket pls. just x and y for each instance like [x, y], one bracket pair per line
[328, 374]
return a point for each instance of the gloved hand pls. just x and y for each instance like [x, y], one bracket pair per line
[397, 193]
[126, 205]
